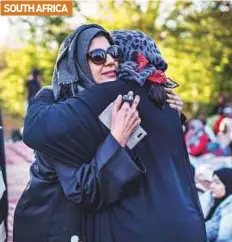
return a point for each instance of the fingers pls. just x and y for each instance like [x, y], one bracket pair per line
[117, 104]
[177, 108]
[173, 96]
[132, 116]
[174, 99]
[132, 119]
[125, 118]
[169, 90]
[134, 125]
[125, 107]
[128, 97]
[135, 102]
[130, 112]
[176, 102]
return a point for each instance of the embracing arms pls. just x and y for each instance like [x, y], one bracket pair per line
[108, 177]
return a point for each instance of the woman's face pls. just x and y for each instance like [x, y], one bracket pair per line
[105, 72]
[217, 187]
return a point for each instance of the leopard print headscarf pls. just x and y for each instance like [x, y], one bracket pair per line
[132, 42]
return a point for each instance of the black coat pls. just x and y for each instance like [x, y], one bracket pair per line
[163, 204]
[65, 181]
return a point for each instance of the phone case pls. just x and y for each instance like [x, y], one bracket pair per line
[136, 136]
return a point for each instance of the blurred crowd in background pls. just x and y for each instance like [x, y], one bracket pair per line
[209, 143]
[213, 134]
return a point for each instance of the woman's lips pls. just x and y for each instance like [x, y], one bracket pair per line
[110, 74]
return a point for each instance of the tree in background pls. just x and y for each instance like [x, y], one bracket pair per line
[19, 64]
[194, 37]
[203, 34]
[43, 38]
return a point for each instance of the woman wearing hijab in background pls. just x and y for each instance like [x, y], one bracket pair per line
[219, 213]
[147, 212]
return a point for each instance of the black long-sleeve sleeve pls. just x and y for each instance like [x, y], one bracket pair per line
[107, 178]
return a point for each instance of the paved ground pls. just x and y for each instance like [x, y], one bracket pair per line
[18, 160]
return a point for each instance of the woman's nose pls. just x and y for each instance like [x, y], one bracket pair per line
[109, 60]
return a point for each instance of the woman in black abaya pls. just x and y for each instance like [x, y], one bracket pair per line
[119, 201]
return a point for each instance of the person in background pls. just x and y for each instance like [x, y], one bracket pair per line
[220, 105]
[226, 113]
[208, 129]
[196, 138]
[218, 204]
[224, 135]
[34, 84]
[223, 127]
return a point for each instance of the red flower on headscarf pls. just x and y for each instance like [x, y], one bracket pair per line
[156, 77]
[141, 60]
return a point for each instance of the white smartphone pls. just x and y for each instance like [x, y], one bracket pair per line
[136, 136]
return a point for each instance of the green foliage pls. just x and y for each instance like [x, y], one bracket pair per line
[19, 64]
[194, 37]
[204, 34]
[46, 31]
[128, 15]
[45, 36]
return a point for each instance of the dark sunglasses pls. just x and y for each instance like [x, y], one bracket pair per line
[99, 56]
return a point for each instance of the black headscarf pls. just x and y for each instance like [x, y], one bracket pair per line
[71, 69]
[225, 175]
